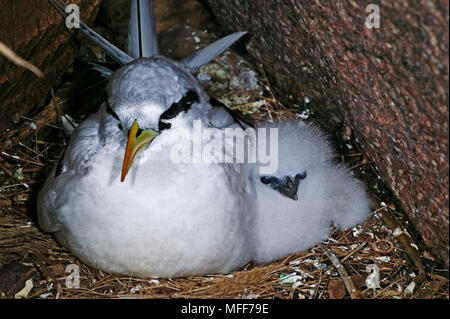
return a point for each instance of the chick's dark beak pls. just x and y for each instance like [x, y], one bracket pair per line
[290, 189]
[286, 186]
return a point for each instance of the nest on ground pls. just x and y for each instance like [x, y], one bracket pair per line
[34, 265]
[309, 274]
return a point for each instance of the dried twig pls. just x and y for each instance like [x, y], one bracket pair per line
[408, 244]
[351, 288]
[354, 251]
[12, 56]
[20, 159]
[364, 162]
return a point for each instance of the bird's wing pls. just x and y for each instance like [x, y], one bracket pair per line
[114, 52]
[196, 60]
[142, 37]
[74, 161]
[143, 41]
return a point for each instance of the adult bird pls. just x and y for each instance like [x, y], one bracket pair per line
[161, 218]
[117, 199]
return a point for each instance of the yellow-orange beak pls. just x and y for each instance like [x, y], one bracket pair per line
[138, 140]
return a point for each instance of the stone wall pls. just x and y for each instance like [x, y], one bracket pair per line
[389, 84]
[36, 32]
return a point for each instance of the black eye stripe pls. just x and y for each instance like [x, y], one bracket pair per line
[163, 126]
[183, 105]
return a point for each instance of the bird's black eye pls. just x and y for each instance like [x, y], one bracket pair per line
[163, 126]
[120, 126]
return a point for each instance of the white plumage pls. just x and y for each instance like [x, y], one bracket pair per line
[165, 219]
[328, 194]
[169, 219]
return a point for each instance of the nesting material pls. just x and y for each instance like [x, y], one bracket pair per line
[373, 249]
[309, 274]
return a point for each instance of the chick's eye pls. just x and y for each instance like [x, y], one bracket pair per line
[120, 126]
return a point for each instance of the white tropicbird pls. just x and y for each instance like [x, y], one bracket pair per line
[155, 218]
[171, 219]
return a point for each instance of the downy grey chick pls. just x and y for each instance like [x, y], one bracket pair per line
[298, 203]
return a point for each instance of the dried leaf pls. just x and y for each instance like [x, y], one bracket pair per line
[337, 290]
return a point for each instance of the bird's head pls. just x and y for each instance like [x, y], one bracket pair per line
[287, 185]
[149, 96]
